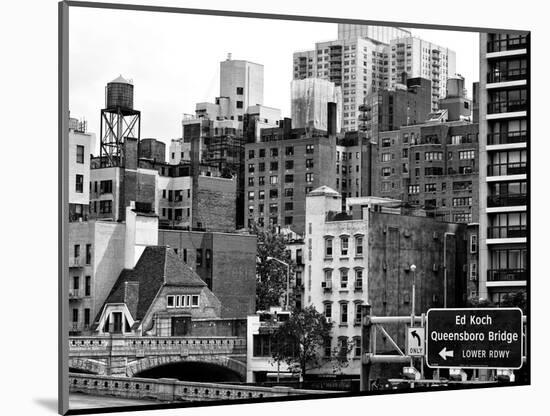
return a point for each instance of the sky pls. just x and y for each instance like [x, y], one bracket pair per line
[173, 60]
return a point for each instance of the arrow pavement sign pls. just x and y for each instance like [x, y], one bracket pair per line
[415, 341]
[474, 338]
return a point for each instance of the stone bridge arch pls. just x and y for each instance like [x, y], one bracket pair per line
[88, 365]
[150, 362]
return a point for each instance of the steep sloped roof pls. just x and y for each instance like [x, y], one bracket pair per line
[156, 266]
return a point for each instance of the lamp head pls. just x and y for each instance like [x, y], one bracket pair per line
[413, 268]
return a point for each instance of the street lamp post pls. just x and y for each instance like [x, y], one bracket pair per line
[287, 278]
[413, 270]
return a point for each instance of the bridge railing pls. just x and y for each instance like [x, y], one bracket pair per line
[145, 345]
[174, 390]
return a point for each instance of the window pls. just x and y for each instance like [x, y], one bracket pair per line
[344, 278]
[76, 283]
[357, 345]
[198, 260]
[79, 184]
[273, 180]
[344, 245]
[274, 166]
[251, 154]
[251, 181]
[473, 271]
[430, 187]
[309, 163]
[194, 301]
[86, 317]
[289, 178]
[344, 313]
[386, 171]
[358, 313]
[273, 208]
[328, 247]
[309, 177]
[208, 258]
[274, 152]
[79, 153]
[261, 194]
[75, 315]
[240, 90]
[288, 220]
[289, 191]
[251, 168]
[386, 157]
[358, 278]
[433, 171]
[327, 347]
[466, 155]
[289, 164]
[433, 155]
[386, 142]
[289, 151]
[414, 189]
[106, 187]
[289, 206]
[261, 153]
[261, 167]
[359, 246]
[251, 195]
[239, 104]
[273, 193]
[261, 181]
[309, 149]
[328, 310]
[88, 286]
[473, 243]
[105, 207]
[462, 201]
[88, 253]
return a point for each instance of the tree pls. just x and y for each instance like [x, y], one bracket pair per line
[477, 302]
[516, 299]
[271, 275]
[298, 341]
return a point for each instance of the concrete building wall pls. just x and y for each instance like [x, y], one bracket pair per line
[79, 164]
[382, 34]
[228, 265]
[309, 99]
[214, 204]
[241, 74]
[152, 149]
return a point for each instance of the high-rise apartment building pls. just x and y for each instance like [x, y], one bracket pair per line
[419, 58]
[432, 166]
[362, 65]
[504, 134]
[355, 64]
[308, 103]
[382, 34]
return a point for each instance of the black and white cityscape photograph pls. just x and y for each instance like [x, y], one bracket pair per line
[265, 208]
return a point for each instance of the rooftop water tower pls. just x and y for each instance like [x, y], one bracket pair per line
[119, 121]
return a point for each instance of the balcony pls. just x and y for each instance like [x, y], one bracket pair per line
[510, 231]
[75, 295]
[506, 275]
[507, 200]
[507, 137]
[506, 106]
[76, 262]
[504, 169]
[509, 44]
[505, 76]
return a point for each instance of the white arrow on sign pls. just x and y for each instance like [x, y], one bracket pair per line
[444, 353]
